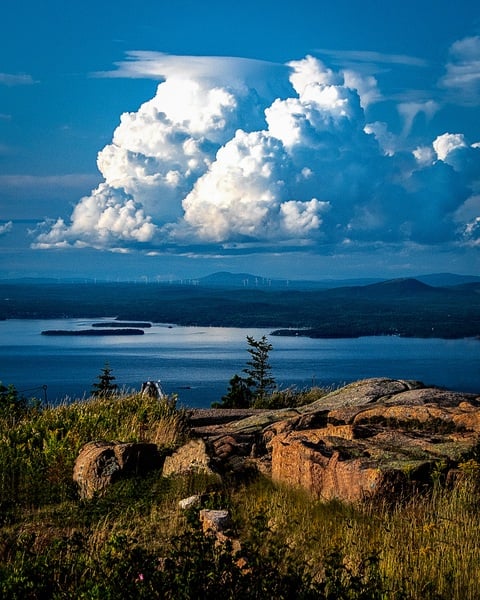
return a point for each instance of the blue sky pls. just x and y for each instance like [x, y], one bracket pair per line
[300, 140]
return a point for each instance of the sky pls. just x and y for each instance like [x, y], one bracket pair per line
[302, 140]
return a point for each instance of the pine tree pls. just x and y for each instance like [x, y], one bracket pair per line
[104, 388]
[258, 370]
[11, 403]
[245, 392]
[239, 394]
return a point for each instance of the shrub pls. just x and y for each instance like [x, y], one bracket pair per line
[290, 398]
[38, 449]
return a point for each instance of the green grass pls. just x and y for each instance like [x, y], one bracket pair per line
[38, 447]
[134, 542]
[427, 547]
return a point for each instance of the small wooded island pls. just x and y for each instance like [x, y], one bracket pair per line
[121, 324]
[93, 332]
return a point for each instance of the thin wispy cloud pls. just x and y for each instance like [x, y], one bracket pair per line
[39, 183]
[410, 110]
[462, 74]
[370, 66]
[268, 79]
[159, 65]
[342, 57]
[6, 227]
[230, 70]
[14, 79]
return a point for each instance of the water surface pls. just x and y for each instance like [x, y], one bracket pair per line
[198, 362]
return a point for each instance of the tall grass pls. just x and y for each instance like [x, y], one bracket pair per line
[134, 542]
[290, 397]
[427, 547]
[38, 448]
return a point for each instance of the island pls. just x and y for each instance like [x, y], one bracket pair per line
[117, 324]
[93, 332]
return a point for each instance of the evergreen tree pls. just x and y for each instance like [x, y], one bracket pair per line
[104, 388]
[11, 403]
[239, 394]
[258, 370]
[245, 392]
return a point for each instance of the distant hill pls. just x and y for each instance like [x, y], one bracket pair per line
[399, 287]
[248, 280]
[406, 307]
[227, 279]
[468, 287]
[447, 279]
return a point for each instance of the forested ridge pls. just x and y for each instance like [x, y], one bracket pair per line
[405, 307]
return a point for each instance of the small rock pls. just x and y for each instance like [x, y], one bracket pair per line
[189, 458]
[190, 502]
[215, 521]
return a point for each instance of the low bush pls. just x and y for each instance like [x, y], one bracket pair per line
[290, 398]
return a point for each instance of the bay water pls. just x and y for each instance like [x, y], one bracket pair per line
[197, 362]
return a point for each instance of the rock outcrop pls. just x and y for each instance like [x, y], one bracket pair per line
[371, 438]
[101, 463]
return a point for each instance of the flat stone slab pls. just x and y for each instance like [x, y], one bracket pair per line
[368, 438]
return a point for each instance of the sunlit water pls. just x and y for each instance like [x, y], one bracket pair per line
[197, 362]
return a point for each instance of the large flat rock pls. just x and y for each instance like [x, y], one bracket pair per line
[369, 438]
[377, 436]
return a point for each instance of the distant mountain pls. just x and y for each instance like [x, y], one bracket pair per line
[447, 279]
[405, 307]
[349, 282]
[399, 287]
[227, 279]
[249, 280]
[468, 287]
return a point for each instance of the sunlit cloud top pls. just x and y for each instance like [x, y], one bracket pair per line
[234, 153]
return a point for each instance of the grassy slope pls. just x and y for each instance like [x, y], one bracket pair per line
[134, 542]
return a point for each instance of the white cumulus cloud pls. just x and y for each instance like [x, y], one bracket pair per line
[447, 143]
[106, 218]
[242, 153]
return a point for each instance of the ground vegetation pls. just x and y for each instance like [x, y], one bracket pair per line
[135, 542]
